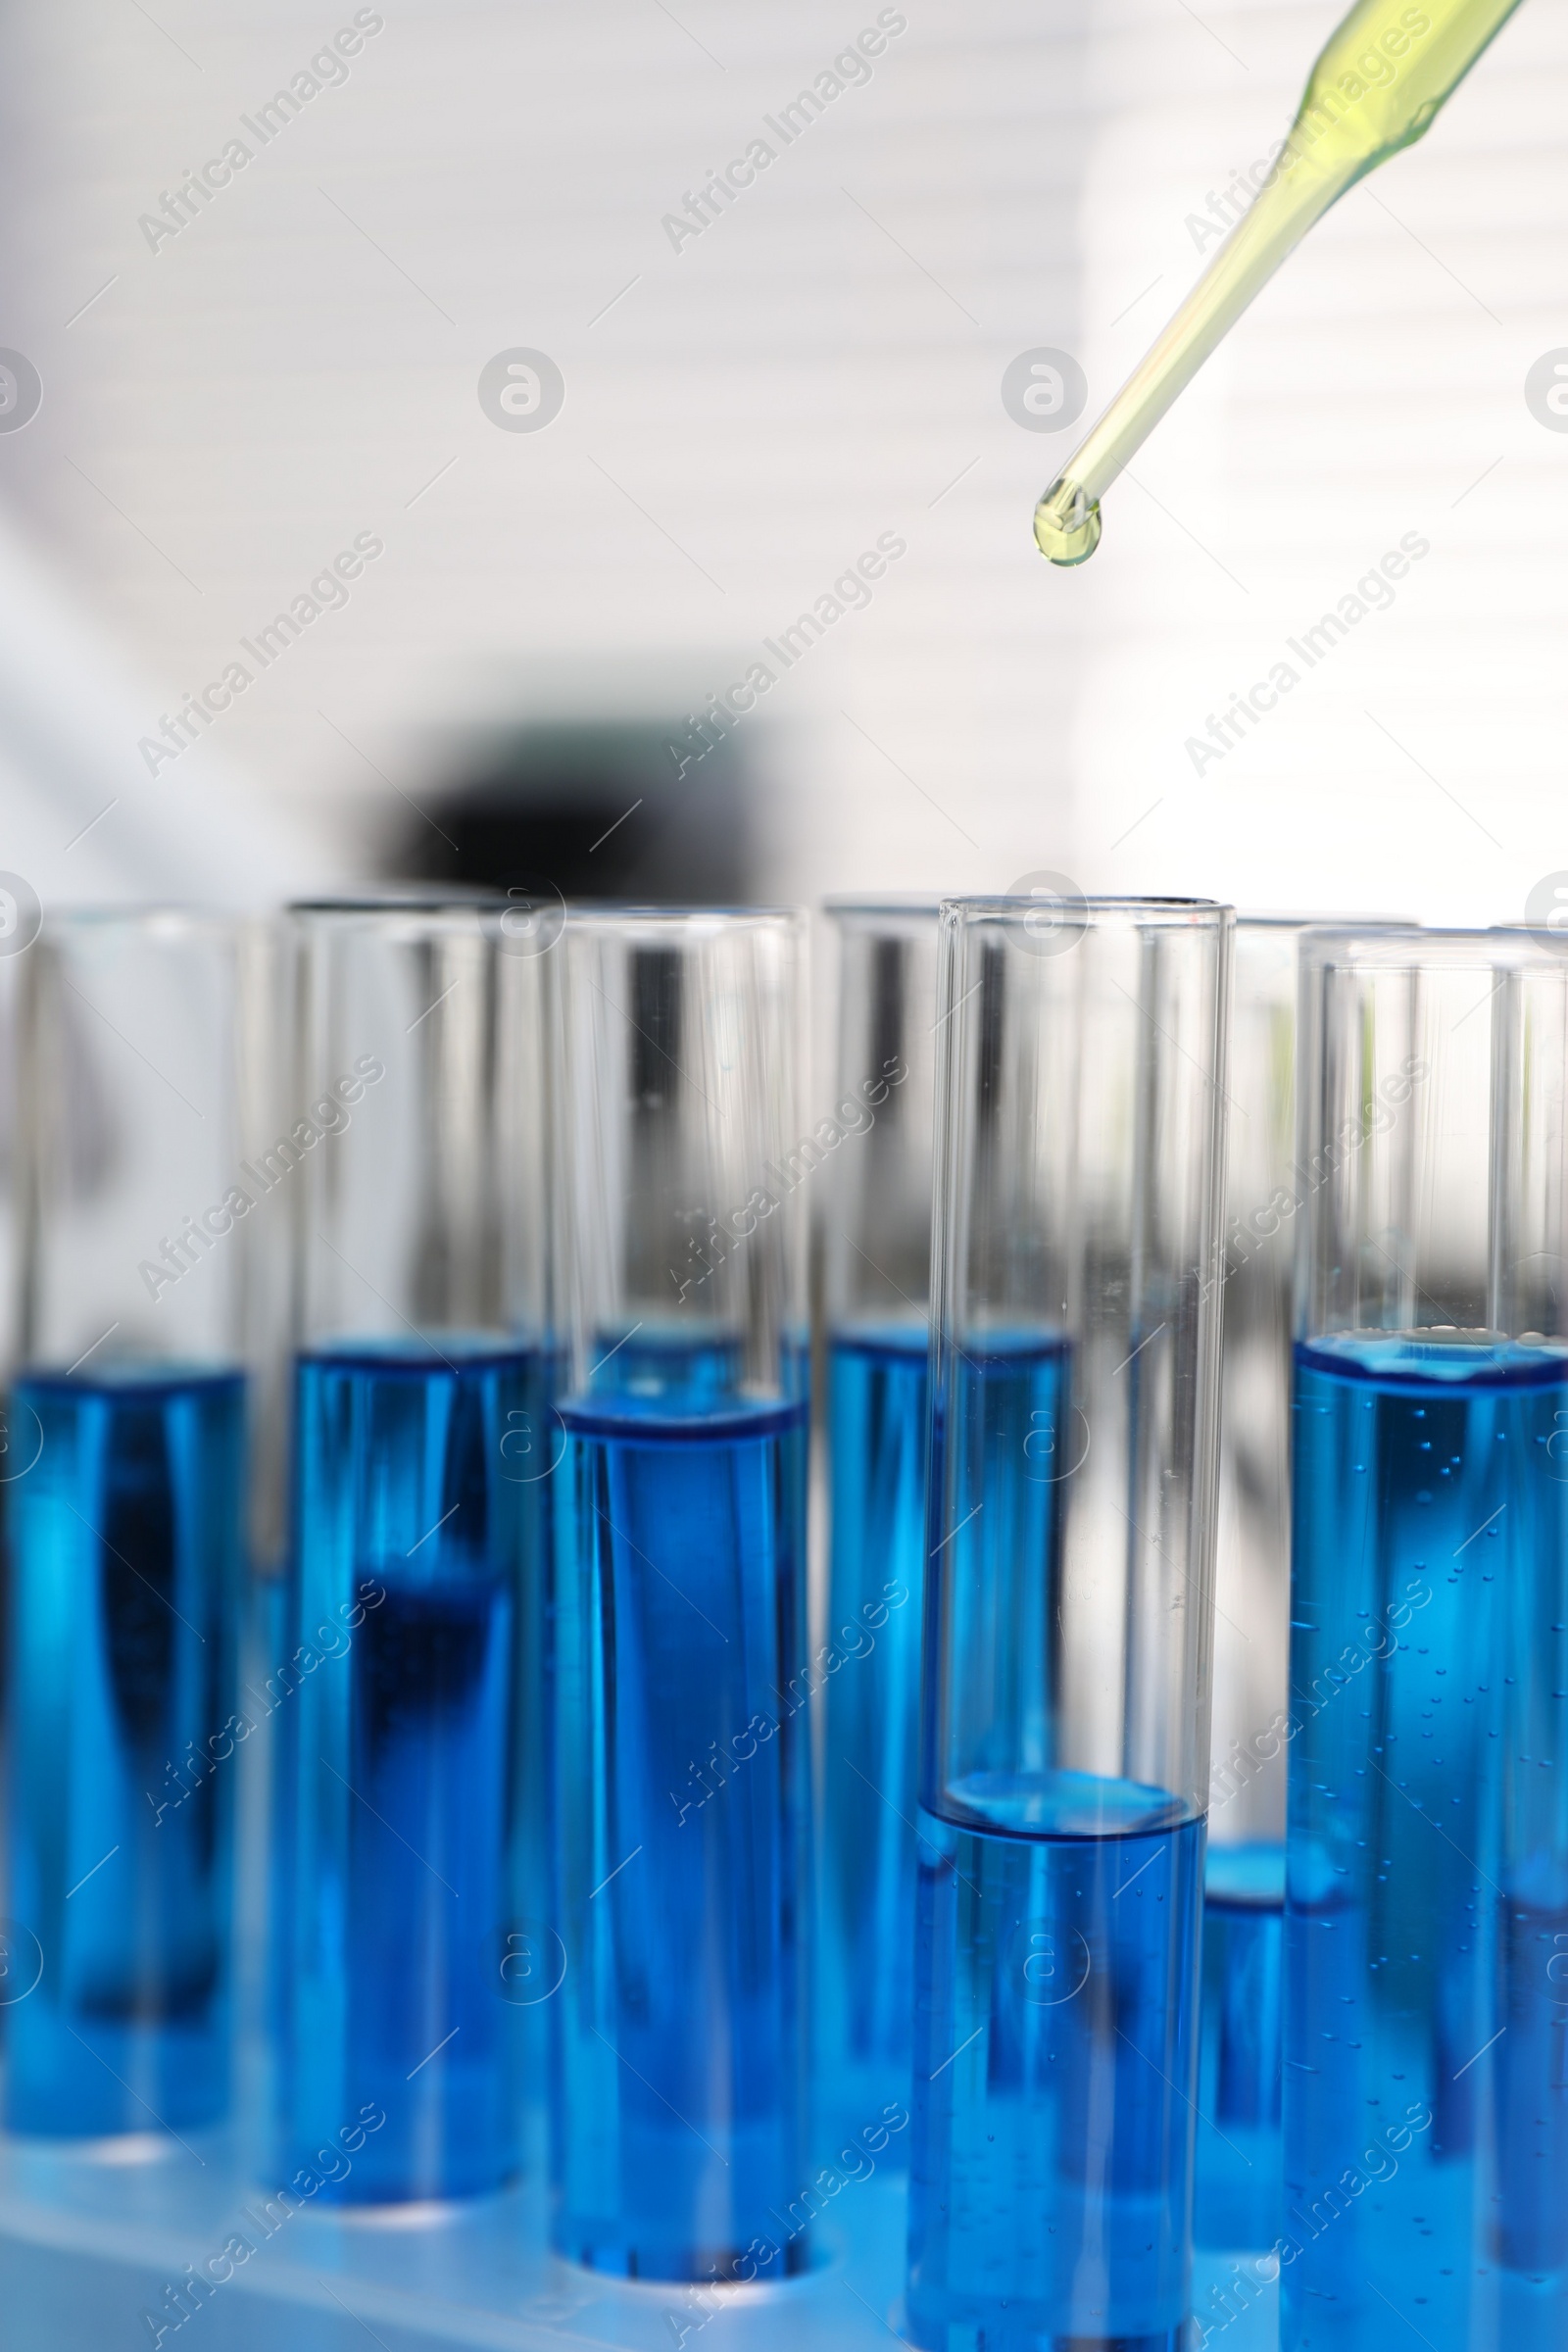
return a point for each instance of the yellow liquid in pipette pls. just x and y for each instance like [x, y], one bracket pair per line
[1375, 88]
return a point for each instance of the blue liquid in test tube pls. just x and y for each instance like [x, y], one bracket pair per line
[1058, 1941]
[402, 1835]
[1427, 1918]
[877, 1394]
[1057, 2115]
[126, 1561]
[1240, 2165]
[683, 1789]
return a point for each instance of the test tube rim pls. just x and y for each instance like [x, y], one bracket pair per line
[168, 918]
[585, 914]
[394, 899]
[1096, 912]
[319, 914]
[1343, 946]
[1248, 919]
[894, 907]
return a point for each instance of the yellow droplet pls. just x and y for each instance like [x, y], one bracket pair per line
[1067, 526]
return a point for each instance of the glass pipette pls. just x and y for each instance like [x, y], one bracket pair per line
[1375, 88]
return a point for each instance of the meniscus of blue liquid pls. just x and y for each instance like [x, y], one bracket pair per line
[409, 1939]
[127, 1533]
[1426, 2045]
[877, 1392]
[682, 1710]
[1057, 1941]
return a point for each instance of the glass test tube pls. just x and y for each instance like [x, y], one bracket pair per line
[1237, 2201]
[681, 1685]
[1426, 1965]
[126, 1504]
[1068, 1621]
[410, 1873]
[877, 1279]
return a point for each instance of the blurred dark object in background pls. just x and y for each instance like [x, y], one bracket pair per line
[595, 809]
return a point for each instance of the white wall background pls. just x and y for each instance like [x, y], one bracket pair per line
[300, 363]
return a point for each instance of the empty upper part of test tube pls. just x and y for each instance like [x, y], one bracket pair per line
[1375, 87]
[687, 1155]
[877, 1239]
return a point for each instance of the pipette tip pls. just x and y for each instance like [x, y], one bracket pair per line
[1066, 524]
